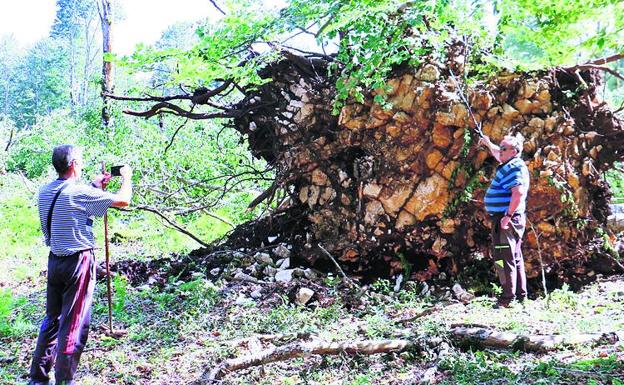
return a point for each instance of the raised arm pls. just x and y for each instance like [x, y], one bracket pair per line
[124, 195]
[494, 149]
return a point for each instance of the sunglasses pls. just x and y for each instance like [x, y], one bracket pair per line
[505, 148]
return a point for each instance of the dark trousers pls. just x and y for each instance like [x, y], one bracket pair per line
[64, 331]
[507, 253]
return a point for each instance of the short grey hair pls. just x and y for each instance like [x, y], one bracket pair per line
[517, 141]
[62, 156]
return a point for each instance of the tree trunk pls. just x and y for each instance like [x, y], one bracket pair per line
[384, 189]
[106, 19]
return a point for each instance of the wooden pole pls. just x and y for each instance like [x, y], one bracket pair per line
[107, 252]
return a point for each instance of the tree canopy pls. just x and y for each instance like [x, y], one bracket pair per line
[511, 35]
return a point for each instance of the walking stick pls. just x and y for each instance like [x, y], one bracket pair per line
[107, 252]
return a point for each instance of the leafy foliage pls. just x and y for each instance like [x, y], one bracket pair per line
[526, 34]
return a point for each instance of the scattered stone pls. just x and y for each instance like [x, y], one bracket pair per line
[255, 270]
[152, 279]
[429, 376]
[284, 275]
[442, 276]
[270, 271]
[461, 294]
[242, 277]
[303, 296]
[281, 251]
[263, 258]
[283, 264]
[214, 272]
[310, 274]
[399, 281]
[242, 299]
[256, 294]
[145, 287]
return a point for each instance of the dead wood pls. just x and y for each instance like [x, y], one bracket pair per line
[485, 337]
[467, 336]
[302, 349]
[170, 221]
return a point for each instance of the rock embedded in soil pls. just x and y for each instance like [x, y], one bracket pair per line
[304, 295]
[284, 276]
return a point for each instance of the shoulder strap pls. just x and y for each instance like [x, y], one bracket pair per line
[49, 222]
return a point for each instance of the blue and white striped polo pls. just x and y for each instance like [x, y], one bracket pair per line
[72, 220]
[508, 175]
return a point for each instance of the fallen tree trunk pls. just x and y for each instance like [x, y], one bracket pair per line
[484, 337]
[478, 337]
[382, 185]
[303, 349]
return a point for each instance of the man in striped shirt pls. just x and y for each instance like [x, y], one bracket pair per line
[505, 201]
[66, 210]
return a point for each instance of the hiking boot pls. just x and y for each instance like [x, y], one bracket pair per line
[502, 302]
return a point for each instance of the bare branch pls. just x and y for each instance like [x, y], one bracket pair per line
[176, 132]
[268, 193]
[608, 59]
[8, 145]
[170, 222]
[596, 67]
[148, 98]
[170, 108]
[347, 280]
[217, 7]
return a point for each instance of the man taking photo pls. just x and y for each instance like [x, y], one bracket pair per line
[66, 210]
[505, 201]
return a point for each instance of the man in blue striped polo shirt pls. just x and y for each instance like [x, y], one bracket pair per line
[505, 201]
[66, 210]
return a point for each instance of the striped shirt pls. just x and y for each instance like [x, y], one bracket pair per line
[72, 219]
[509, 174]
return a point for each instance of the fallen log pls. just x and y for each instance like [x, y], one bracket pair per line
[302, 349]
[474, 337]
[485, 337]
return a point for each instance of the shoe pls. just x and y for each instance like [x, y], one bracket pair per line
[522, 299]
[502, 302]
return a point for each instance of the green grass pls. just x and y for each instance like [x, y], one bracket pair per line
[487, 368]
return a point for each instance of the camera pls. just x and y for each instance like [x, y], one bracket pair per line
[115, 170]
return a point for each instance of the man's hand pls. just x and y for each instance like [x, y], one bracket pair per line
[485, 141]
[505, 222]
[126, 172]
[101, 180]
